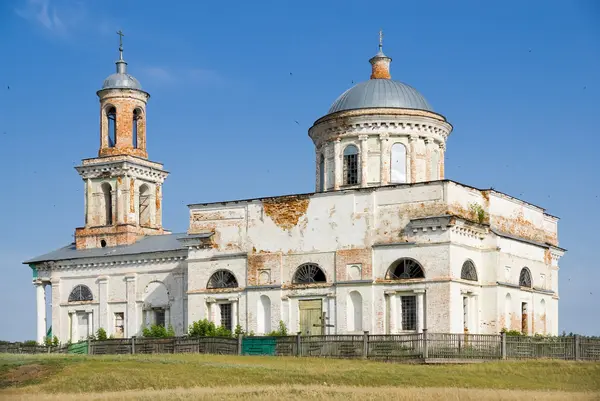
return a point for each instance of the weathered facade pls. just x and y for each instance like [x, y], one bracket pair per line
[385, 244]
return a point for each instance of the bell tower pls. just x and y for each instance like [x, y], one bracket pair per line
[123, 189]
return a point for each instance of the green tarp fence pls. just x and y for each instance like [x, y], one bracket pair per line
[258, 346]
[78, 348]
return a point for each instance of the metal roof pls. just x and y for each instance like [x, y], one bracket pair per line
[148, 244]
[121, 81]
[380, 93]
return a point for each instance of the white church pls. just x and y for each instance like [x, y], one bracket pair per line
[385, 244]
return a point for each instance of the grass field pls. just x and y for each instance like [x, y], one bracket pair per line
[214, 377]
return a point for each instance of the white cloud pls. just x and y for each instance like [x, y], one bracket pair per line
[54, 16]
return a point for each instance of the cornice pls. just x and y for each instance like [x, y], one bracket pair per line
[400, 125]
[122, 168]
[118, 263]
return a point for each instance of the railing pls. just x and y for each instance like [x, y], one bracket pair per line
[398, 347]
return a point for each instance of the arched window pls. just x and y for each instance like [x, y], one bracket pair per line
[264, 314]
[309, 273]
[144, 205]
[525, 278]
[354, 311]
[468, 271]
[134, 129]
[321, 172]
[222, 279]
[107, 199]
[405, 268]
[111, 114]
[81, 293]
[398, 165]
[351, 165]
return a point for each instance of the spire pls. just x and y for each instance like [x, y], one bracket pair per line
[121, 64]
[380, 63]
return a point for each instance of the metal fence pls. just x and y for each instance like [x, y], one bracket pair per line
[398, 347]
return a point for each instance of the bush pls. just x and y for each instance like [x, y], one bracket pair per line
[101, 334]
[511, 332]
[55, 341]
[158, 331]
[30, 342]
[204, 328]
[282, 331]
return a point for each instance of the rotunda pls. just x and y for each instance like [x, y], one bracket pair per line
[379, 132]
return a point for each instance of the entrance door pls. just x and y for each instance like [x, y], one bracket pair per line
[310, 317]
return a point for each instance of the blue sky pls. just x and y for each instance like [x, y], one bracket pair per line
[236, 85]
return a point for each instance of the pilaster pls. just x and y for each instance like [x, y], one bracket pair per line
[384, 140]
[40, 293]
[131, 320]
[364, 160]
[428, 151]
[103, 303]
[412, 144]
[337, 162]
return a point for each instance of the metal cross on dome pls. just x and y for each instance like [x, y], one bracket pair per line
[380, 39]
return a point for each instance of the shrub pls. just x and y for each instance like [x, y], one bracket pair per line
[30, 342]
[204, 328]
[55, 341]
[281, 331]
[158, 331]
[101, 334]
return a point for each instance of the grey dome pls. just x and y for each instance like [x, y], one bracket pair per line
[376, 93]
[121, 80]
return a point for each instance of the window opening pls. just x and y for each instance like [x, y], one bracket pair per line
[405, 269]
[309, 273]
[222, 279]
[409, 312]
[81, 293]
[226, 316]
[112, 127]
[350, 165]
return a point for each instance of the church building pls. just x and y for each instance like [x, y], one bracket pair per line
[385, 244]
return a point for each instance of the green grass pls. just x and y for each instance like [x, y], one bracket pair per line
[93, 374]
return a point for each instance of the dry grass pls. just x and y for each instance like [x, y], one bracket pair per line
[215, 377]
[302, 393]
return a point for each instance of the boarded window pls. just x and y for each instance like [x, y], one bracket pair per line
[398, 164]
[468, 271]
[144, 206]
[525, 278]
[119, 324]
[159, 317]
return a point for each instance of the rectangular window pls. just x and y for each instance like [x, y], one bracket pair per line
[409, 312]
[159, 317]
[226, 315]
[119, 324]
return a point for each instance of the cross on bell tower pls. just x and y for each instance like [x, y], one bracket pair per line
[123, 189]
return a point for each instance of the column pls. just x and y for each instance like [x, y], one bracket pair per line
[234, 314]
[178, 314]
[41, 311]
[103, 304]
[384, 164]
[412, 142]
[364, 160]
[131, 324]
[420, 310]
[337, 163]
[72, 326]
[167, 317]
[55, 310]
[393, 313]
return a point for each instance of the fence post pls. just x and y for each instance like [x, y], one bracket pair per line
[133, 344]
[425, 345]
[240, 337]
[577, 350]
[503, 345]
[366, 344]
[298, 350]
